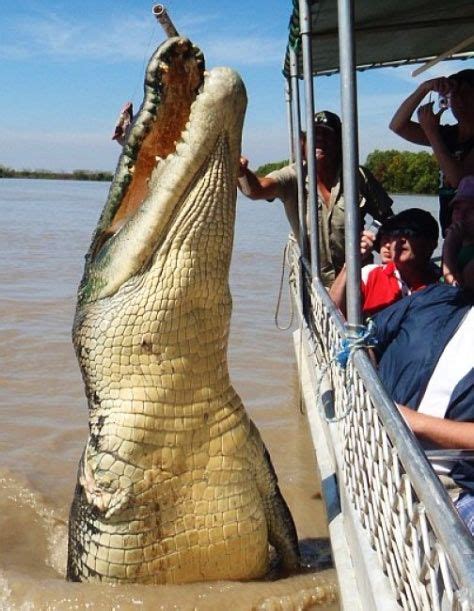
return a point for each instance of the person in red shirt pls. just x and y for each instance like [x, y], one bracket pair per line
[407, 242]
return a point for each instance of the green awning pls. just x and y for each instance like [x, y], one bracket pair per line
[388, 32]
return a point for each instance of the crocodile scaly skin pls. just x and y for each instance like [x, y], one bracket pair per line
[175, 484]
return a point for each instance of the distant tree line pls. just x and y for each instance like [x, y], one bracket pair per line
[263, 170]
[6, 172]
[397, 171]
[404, 171]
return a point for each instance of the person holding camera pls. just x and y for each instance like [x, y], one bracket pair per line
[452, 145]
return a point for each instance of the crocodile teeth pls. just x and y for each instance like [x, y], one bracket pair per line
[181, 147]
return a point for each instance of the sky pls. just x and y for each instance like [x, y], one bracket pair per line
[66, 69]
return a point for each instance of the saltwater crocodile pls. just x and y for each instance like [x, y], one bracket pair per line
[175, 484]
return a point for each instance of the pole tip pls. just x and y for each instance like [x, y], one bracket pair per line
[158, 9]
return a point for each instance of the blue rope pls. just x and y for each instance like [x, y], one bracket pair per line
[364, 338]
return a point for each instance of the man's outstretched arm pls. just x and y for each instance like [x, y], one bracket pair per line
[253, 186]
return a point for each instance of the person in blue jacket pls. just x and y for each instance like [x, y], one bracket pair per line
[426, 363]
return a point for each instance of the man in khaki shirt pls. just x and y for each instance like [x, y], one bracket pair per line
[282, 184]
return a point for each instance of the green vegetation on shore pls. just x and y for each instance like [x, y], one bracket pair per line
[263, 170]
[404, 171]
[6, 172]
[397, 171]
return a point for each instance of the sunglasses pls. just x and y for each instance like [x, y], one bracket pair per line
[402, 231]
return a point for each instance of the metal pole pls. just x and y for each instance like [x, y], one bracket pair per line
[306, 43]
[164, 20]
[295, 103]
[350, 158]
[289, 120]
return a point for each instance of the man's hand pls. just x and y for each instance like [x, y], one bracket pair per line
[429, 120]
[367, 241]
[441, 85]
[243, 166]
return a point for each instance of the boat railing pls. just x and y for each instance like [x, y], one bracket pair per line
[421, 544]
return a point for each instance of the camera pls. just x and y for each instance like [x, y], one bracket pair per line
[444, 101]
[374, 227]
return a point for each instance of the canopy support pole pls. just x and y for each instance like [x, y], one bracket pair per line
[164, 20]
[350, 159]
[295, 104]
[289, 120]
[306, 44]
[303, 234]
[462, 45]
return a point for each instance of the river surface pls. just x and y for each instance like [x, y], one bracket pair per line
[45, 231]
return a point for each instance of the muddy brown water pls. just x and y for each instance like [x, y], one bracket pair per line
[45, 231]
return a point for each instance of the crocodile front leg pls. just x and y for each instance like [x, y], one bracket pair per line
[281, 528]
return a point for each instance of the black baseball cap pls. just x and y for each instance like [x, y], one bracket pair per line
[326, 118]
[464, 76]
[414, 221]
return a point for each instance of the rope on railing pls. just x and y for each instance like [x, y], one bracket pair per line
[362, 338]
[280, 291]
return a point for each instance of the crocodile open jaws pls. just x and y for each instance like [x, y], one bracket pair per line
[175, 484]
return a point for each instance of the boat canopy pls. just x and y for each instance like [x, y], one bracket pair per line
[387, 33]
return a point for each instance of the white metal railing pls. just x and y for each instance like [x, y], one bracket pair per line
[421, 543]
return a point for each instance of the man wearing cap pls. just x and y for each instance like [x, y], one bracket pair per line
[412, 236]
[453, 145]
[282, 184]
